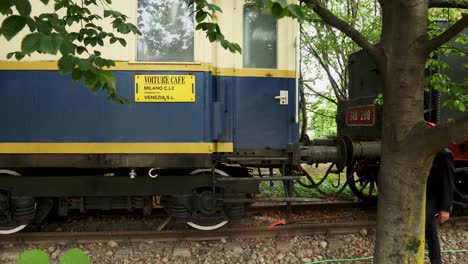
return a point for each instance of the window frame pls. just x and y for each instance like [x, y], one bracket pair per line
[277, 27]
[195, 44]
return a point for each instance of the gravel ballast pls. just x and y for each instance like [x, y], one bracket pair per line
[297, 249]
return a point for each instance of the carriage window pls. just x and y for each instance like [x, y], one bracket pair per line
[167, 28]
[259, 47]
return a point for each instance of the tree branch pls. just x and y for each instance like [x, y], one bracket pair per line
[326, 67]
[447, 35]
[449, 4]
[344, 27]
[441, 136]
[320, 94]
[320, 114]
[323, 62]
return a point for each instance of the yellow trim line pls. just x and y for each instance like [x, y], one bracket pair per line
[114, 148]
[141, 66]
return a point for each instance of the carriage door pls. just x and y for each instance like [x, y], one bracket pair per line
[262, 101]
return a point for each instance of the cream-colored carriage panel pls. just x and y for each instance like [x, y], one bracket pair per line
[230, 21]
[232, 27]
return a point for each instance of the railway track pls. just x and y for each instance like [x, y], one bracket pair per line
[285, 211]
[172, 235]
[310, 206]
[302, 227]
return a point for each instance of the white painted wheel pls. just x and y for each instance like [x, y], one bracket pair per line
[215, 226]
[14, 229]
[7, 231]
[217, 171]
[207, 228]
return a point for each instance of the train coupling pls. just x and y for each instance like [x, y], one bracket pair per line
[341, 151]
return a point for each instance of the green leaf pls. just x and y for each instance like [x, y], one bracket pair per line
[19, 55]
[56, 42]
[296, 12]
[84, 64]
[461, 107]
[43, 26]
[109, 78]
[31, 43]
[31, 24]
[23, 7]
[80, 49]
[277, 10]
[33, 256]
[123, 42]
[45, 2]
[283, 3]
[200, 16]
[74, 256]
[67, 47]
[47, 46]
[12, 25]
[212, 36]
[66, 64]
[91, 81]
[5, 6]
[76, 74]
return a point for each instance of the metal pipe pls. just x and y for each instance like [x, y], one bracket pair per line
[367, 149]
[322, 154]
[250, 179]
[334, 151]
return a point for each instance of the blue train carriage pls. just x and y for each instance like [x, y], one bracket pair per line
[199, 116]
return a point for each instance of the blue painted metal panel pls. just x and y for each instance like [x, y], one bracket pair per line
[43, 106]
[260, 122]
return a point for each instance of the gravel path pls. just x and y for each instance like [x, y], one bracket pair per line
[296, 249]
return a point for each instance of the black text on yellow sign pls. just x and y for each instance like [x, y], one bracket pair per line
[164, 88]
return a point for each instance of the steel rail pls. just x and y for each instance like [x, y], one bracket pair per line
[189, 235]
[302, 228]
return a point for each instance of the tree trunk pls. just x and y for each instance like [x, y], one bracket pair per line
[404, 170]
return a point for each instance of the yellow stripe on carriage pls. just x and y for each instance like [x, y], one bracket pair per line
[114, 148]
[254, 72]
[155, 66]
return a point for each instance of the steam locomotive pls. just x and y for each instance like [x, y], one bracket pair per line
[200, 121]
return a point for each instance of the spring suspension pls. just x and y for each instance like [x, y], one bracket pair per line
[180, 212]
[236, 211]
[24, 209]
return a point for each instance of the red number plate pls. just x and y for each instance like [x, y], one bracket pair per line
[360, 115]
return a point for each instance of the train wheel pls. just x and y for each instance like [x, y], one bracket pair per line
[363, 179]
[208, 209]
[6, 227]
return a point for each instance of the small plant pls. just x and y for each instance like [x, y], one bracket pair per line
[71, 256]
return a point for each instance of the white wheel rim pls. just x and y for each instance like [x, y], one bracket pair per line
[17, 228]
[11, 231]
[217, 171]
[207, 228]
[211, 227]
[9, 172]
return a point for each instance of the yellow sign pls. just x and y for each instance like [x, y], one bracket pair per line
[164, 88]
